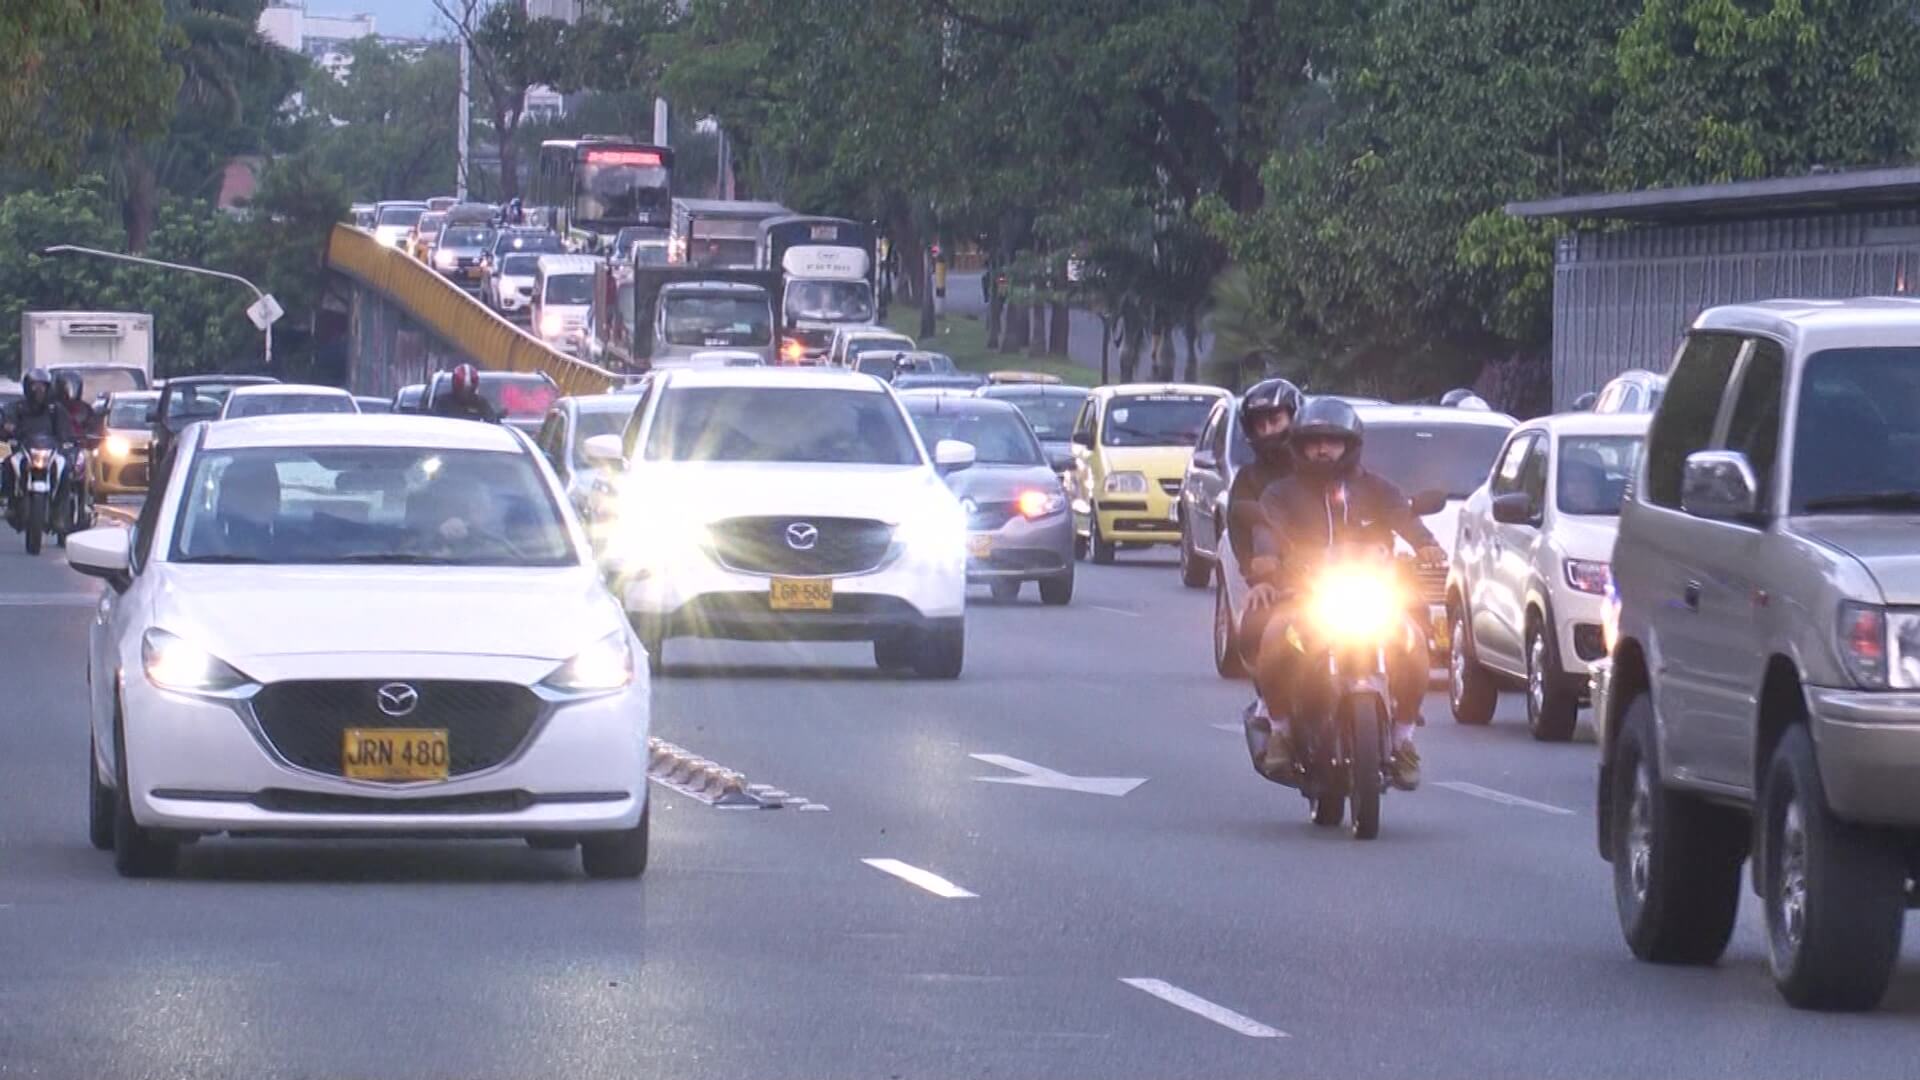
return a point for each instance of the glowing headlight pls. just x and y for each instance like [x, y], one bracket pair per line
[174, 663]
[938, 531]
[117, 446]
[1127, 483]
[445, 260]
[553, 324]
[1038, 504]
[39, 456]
[1355, 605]
[643, 537]
[605, 665]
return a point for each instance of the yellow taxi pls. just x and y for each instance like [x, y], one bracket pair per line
[1130, 449]
[120, 462]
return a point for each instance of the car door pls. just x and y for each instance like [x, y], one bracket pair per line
[1664, 554]
[1202, 484]
[1491, 595]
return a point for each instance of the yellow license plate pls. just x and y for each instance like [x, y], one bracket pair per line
[801, 594]
[394, 753]
[980, 545]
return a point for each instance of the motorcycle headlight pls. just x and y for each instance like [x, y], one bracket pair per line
[174, 663]
[38, 456]
[603, 666]
[1127, 483]
[1352, 605]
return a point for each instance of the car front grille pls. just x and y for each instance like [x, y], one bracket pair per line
[486, 722]
[1143, 525]
[780, 545]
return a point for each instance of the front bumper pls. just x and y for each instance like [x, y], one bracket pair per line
[127, 476]
[1153, 518]
[1577, 618]
[1868, 747]
[1021, 550]
[201, 765]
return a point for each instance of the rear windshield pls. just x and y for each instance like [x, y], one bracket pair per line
[997, 437]
[287, 404]
[1453, 459]
[131, 412]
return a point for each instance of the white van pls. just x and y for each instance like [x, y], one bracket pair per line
[563, 300]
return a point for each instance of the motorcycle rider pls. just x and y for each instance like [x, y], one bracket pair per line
[69, 394]
[34, 414]
[463, 400]
[1330, 498]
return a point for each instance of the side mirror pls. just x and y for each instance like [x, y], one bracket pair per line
[1059, 461]
[1514, 508]
[605, 452]
[1585, 402]
[1204, 459]
[952, 455]
[1083, 438]
[1719, 485]
[103, 553]
[1429, 502]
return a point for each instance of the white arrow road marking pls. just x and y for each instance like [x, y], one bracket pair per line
[1032, 775]
[1200, 1006]
[925, 879]
[1502, 797]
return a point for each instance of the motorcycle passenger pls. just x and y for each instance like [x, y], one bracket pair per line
[463, 400]
[69, 392]
[1330, 499]
[35, 414]
[1267, 409]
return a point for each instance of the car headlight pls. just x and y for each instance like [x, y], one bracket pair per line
[936, 532]
[117, 446]
[174, 663]
[1351, 605]
[1127, 483]
[445, 260]
[1039, 504]
[603, 666]
[642, 539]
[1588, 576]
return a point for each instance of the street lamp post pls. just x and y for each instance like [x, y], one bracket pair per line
[263, 312]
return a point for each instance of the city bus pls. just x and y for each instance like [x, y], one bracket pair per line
[596, 186]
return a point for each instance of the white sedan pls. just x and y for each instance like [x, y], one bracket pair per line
[284, 399]
[360, 625]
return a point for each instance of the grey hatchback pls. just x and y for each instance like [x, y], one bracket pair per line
[1763, 694]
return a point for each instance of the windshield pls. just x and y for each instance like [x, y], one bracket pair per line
[779, 424]
[830, 301]
[430, 224]
[1050, 415]
[130, 412]
[570, 289]
[717, 320]
[465, 236]
[879, 364]
[620, 192]
[1453, 459]
[369, 504]
[405, 216]
[1156, 419]
[650, 253]
[722, 252]
[285, 404]
[518, 265]
[1858, 432]
[998, 437]
[540, 243]
[1593, 473]
[591, 422]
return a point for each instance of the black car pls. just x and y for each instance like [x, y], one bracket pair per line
[189, 399]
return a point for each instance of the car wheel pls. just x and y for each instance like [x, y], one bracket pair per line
[940, 652]
[137, 853]
[1553, 707]
[1676, 860]
[893, 653]
[1099, 548]
[1835, 892]
[619, 854]
[1005, 591]
[1471, 691]
[1226, 636]
[1057, 591]
[100, 804]
[1195, 572]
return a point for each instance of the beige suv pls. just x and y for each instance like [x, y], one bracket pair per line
[1763, 695]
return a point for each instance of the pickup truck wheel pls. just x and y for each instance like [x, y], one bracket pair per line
[1676, 860]
[1553, 704]
[1471, 691]
[1835, 892]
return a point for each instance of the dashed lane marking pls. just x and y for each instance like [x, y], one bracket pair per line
[1501, 797]
[1199, 1006]
[1112, 610]
[925, 879]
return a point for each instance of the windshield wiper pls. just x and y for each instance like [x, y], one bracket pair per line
[1867, 500]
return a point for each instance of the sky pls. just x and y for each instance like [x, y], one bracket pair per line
[401, 18]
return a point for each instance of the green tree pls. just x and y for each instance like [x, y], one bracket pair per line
[385, 125]
[69, 68]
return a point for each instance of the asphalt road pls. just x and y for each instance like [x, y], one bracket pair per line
[1474, 939]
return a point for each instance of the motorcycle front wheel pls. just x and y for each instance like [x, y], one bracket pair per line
[1366, 731]
[36, 522]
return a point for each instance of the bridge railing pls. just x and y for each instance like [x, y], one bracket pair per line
[456, 317]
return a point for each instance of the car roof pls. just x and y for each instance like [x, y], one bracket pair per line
[1591, 423]
[1137, 388]
[218, 380]
[1868, 320]
[804, 378]
[1432, 414]
[271, 389]
[359, 429]
[551, 263]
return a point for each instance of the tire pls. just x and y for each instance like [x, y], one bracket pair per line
[1471, 691]
[1227, 660]
[893, 653]
[1099, 548]
[1366, 728]
[1005, 591]
[36, 525]
[1835, 892]
[1079, 547]
[1195, 572]
[619, 855]
[1057, 591]
[1329, 810]
[1553, 706]
[941, 652]
[100, 804]
[137, 853]
[1676, 884]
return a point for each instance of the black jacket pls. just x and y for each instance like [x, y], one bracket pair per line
[1244, 515]
[23, 422]
[1301, 516]
[477, 409]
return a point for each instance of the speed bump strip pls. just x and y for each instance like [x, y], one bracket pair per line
[714, 784]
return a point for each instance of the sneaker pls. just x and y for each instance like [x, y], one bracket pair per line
[1405, 767]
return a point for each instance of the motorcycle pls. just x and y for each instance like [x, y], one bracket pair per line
[51, 492]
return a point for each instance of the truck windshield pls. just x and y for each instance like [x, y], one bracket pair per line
[570, 289]
[717, 320]
[829, 301]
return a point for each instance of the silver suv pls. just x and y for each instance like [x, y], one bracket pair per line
[1763, 696]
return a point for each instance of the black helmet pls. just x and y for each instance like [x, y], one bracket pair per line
[67, 386]
[1323, 418]
[37, 379]
[1264, 398]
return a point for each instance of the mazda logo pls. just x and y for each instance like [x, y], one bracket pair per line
[801, 536]
[397, 699]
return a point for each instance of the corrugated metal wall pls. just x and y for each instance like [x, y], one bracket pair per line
[1622, 298]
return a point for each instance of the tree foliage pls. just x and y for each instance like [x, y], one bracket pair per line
[70, 68]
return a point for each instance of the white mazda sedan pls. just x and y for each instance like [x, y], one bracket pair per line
[357, 626]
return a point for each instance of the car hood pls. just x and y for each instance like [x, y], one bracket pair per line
[1586, 536]
[1001, 483]
[243, 612]
[463, 251]
[1882, 542]
[516, 281]
[1158, 462]
[710, 492]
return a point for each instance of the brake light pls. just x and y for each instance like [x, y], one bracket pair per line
[1863, 644]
